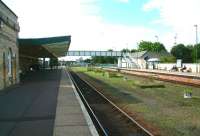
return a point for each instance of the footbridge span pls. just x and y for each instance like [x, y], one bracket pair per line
[95, 53]
[122, 56]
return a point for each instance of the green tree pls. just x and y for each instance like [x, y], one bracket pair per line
[87, 60]
[145, 46]
[195, 53]
[167, 59]
[98, 59]
[158, 47]
[125, 50]
[183, 52]
[110, 49]
[150, 46]
[133, 50]
[104, 59]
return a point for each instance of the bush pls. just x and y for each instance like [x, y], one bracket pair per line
[187, 90]
[187, 93]
[90, 69]
[112, 74]
[169, 59]
[98, 70]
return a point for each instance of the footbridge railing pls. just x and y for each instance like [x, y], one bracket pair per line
[95, 53]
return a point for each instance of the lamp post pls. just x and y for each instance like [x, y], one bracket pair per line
[156, 38]
[137, 54]
[175, 39]
[196, 31]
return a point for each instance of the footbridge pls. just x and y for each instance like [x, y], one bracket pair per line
[122, 56]
[95, 53]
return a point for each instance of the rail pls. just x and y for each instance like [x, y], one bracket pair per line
[98, 126]
[142, 129]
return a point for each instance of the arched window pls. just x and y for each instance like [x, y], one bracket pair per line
[10, 62]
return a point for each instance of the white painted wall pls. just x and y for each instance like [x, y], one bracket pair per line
[139, 62]
[124, 65]
[167, 66]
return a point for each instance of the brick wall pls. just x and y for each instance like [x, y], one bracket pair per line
[8, 42]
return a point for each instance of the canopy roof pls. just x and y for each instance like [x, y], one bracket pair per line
[44, 47]
[150, 54]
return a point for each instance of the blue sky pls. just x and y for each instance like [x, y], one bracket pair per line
[109, 24]
[130, 13]
[127, 13]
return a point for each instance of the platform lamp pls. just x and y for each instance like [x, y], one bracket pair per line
[196, 31]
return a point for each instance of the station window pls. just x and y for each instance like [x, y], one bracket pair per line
[10, 62]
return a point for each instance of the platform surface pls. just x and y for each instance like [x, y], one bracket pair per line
[43, 104]
[70, 117]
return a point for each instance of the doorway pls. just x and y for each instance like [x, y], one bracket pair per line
[14, 69]
[10, 67]
[4, 69]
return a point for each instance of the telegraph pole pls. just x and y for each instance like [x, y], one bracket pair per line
[196, 31]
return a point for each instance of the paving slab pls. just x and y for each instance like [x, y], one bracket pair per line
[72, 118]
[68, 110]
[6, 127]
[45, 103]
[30, 128]
[28, 109]
[72, 131]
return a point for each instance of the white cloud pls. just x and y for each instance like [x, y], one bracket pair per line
[78, 18]
[179, 15]
[152, 4]
[82, 20]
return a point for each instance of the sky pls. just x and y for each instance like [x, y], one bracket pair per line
[109, 24]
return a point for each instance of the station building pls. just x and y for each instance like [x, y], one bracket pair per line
[9, 62]
[142, 60]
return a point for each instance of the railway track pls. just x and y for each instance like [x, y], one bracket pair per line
[108, 118]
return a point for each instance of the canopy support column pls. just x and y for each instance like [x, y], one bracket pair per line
[119, 62]
[43, 63]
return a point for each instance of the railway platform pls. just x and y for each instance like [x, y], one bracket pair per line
[175, 77]
[183, 74]
[43, 104]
